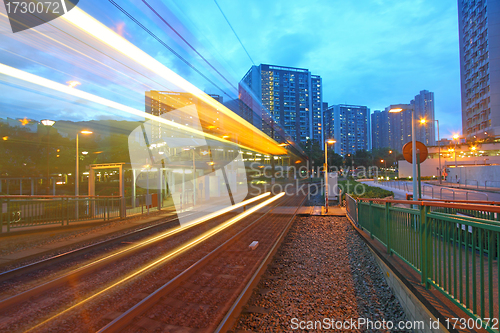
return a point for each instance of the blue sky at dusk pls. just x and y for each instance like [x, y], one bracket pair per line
[372, 53]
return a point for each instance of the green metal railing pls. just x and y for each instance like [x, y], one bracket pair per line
[28, 211]
[458, 254]
[20, 212]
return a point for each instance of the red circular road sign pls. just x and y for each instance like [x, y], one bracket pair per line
[407, 151]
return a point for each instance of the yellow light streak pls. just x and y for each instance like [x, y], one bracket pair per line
[35, 79]
[99, 31]
[170, 255]
[73, 84]
[76, 51]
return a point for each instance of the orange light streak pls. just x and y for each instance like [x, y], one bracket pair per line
[172, 253]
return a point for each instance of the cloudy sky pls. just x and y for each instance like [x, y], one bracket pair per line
[368, 52]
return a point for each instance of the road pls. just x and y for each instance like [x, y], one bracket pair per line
[400, 188]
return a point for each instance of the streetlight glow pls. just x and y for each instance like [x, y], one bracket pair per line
[86, 132]
[331, 141]
[395, 110]
[423, 121]
[47, 122]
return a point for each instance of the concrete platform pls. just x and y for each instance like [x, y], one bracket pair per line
[320, 210]
[332, 211]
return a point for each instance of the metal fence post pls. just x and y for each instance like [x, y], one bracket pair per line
[370, 216]
[425, 247]
[1, 215]
[8, 215]
[357, 213]
[106, 209]
[388, 226]
[63, 211]
[67, 211]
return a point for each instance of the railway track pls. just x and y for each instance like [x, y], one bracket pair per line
[208, 296]
[40, 295]
[64, 255]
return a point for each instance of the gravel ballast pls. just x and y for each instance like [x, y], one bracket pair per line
[323, 274]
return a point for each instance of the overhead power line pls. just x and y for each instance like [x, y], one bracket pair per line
[166, 46]
[239, 40]
[187, 43]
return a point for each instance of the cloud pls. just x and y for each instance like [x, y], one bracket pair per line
[369, 52]
[119, 28]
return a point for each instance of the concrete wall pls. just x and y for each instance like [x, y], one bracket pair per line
[476, 173]
[414, 309]
[429, 167]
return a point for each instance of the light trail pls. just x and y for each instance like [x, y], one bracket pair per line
[169, 255]
[83, 55]
[43, 82]
[99, 31]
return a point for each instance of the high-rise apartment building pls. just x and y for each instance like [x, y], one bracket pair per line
[380, 129]
[293, 98]
[479, 32]
[393, 130]
[399, 129]
[351, 127]
[424, 109]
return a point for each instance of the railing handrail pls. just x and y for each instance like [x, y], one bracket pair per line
[55, 196]
[428, 203]
[492, 203]
[428, 241]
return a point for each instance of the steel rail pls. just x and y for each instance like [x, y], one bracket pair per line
[91, 267]
[235, 310]
[122, 321]
[75, 252]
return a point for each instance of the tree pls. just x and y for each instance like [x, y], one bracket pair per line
[363, 158]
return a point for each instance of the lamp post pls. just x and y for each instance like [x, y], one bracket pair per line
[396, 109]
[77, 173]
[423, 122]
[194, 174]
[48, 125]
[385, 166]
[455, 137]
[331, 141]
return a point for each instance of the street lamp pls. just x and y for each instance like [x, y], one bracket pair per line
[385, 166]
[396, 109]
[194, 174]
[330, 141]
[77, 173]
[423, 121]
[48, 125]
[455, 137]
